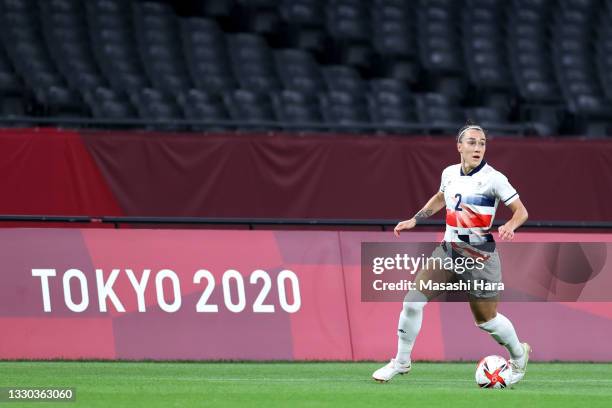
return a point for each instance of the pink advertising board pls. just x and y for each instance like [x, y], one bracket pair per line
[245, 295]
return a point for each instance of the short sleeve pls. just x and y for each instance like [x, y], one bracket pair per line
[443, 181]
[504, 190]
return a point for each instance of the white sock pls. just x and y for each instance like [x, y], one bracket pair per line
[502, 330]
[409, 325]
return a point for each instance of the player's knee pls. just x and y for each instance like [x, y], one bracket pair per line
[412, 308]
[414, 303]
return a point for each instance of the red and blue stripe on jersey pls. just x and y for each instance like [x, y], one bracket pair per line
[475, 211]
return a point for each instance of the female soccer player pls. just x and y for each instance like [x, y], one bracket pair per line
[471, 192]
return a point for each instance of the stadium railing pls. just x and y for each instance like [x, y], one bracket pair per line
[183, 124]
[251, 223]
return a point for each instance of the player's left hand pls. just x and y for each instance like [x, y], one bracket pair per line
[506, 233]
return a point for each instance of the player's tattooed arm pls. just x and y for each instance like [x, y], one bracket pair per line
[421, 215]
[434, 205]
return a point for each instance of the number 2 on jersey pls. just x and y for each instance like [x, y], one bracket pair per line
[458, 206]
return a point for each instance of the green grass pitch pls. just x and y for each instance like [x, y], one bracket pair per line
[202, 384]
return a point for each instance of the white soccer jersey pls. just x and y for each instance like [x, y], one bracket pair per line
[471, 201]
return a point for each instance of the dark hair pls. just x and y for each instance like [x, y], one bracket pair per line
[467, 127]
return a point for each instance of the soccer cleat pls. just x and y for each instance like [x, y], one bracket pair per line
[389, 371]
[518, 372]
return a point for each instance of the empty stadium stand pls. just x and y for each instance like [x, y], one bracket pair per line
[519, 67]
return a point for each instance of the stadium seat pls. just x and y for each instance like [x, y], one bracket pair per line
[349, 25]
[344, 78]
[439, 37]
[253, 63]
[575, 65]
[27, 51]
[112, 36]
[65, 30]
[604, 50]
[439, 111]
[305, 26]
[153, 104]
[295, 107]
[113, 110]
[530, 55]
[10, 85]
[157, 34]
[201, 105]
[484, 50]
[391, 102]
[299, 71]
[532, 64]
[394, 38]
[250, 106]
[57, 99]
[345, 107]
[206, 55]
[262, 15]
[106, 103]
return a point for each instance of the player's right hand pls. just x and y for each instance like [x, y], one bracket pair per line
[404, 225]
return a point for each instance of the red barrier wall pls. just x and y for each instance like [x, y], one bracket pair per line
[46, 171]
[283, 175]
[168, 313]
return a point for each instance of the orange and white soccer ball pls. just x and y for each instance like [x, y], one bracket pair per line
[493, 372]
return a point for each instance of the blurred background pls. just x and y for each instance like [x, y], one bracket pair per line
[521, 67]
